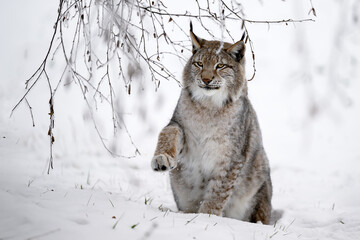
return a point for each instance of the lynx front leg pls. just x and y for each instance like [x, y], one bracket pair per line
[219, 190]
[168, 147]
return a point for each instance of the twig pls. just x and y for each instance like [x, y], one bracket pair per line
[42, 67]
[312, 10]
[228, 17]
[289, 225]
[111, 203]
[31, 113]
[187, 222]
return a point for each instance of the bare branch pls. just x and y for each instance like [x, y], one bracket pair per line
[31, 113]
[137, 40]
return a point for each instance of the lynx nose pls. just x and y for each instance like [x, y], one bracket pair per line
[207, 80]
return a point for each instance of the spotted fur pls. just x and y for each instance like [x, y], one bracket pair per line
[212, 145]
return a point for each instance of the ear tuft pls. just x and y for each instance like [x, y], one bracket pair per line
[195, 40]
[237, 50]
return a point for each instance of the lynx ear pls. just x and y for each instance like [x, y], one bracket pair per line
[196, 41]
[237, 50]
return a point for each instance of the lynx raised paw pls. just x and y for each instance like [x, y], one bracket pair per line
[162, 162]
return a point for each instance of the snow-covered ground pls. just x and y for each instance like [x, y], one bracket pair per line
[314, 154]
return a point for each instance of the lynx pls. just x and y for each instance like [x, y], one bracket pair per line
[212, 145]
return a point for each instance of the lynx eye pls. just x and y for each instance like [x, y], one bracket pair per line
[220, 65]
[199, 64]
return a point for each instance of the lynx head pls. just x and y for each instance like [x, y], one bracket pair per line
[214, 75]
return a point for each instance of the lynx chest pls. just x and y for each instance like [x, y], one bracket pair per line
[208, 139]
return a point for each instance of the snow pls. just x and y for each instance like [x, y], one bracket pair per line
[314, 156]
